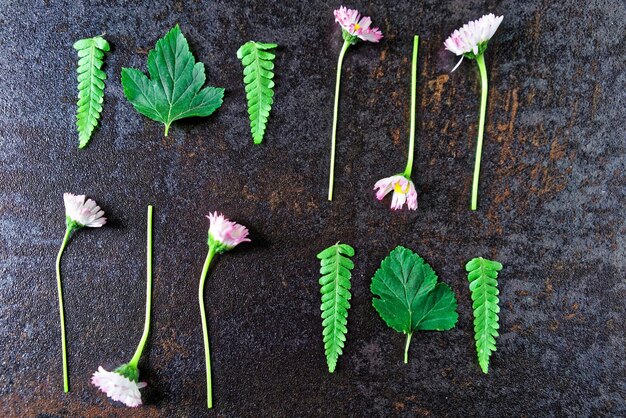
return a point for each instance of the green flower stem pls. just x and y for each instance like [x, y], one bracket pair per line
[409, 164]
[331, 177]
[205, 333]
[146, 329]
[480, 60]
[66, 383]
[406, 347]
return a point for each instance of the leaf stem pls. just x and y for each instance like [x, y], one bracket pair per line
[409, 164]
[480, 60]
[406, 347]
[146, 329]
[331, 177]
[66, 384]
[205, 333]
[167, 128]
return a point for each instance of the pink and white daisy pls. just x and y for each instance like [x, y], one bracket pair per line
[118, 387]
[78, 214]
[472, 38]
[403, 191]
[225, 234]
[350, 21]
[83, 213]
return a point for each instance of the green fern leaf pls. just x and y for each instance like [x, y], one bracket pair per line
[484, 287]
[335, 290]
[257, 76]
[90, 86]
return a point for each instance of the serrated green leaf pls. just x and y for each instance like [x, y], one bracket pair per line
[482, 275]
[174, 90]
[409, 297]
[90, 86]
[335, 285]
[258, 79]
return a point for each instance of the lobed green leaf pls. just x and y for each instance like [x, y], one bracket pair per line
[407, 296]
[174, 90]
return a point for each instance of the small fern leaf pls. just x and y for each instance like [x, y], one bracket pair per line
[335, 289]
[258, 77]
[484, 287]
[90, 85]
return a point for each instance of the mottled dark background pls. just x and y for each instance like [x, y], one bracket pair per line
[551, 210]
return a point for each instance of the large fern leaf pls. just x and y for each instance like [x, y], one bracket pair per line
[335, 290]
[484, 287]
[257, 76]
[90, 85]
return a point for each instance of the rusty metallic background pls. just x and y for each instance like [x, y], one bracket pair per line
[551, 210]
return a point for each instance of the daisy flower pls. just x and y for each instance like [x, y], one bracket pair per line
[78, 214]
[83, 213]
[351, 22]
[403, 188]
[122, 384]
[118, 387]
[353, 28]
[403, 191]
[224, 235]
[471, 41]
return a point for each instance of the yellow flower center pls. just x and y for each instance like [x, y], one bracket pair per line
[357, 26]
[398, 188]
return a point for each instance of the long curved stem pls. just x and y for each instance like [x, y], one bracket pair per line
[331, 177]
[480, 60]
[406, 348]
[409, 164]
[66, 383]
[146, 328]
[205, 332]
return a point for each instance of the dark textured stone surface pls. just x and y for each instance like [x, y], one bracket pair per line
[551, 210]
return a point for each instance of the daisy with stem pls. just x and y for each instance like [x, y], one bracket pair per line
[224, 235]
[471, 41]
[401, 184]
[78, 214]
[353, 29]
[122, 384]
